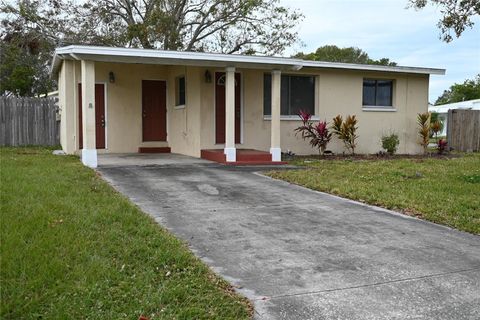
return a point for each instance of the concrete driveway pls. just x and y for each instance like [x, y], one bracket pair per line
[300, 254]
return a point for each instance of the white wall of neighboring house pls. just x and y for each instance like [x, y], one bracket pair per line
[442, 110]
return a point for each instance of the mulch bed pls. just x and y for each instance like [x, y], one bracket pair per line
[373, 157]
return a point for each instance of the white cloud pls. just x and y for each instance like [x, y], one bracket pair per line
[385, 28]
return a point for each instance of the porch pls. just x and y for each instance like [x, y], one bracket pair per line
[148, 159]
[124, 106]
[209, 157]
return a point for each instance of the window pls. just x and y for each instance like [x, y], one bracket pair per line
[180, 91]
[377, 93]
[297, 93]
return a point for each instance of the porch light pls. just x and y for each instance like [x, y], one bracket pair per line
[111, 77]
[208, 77]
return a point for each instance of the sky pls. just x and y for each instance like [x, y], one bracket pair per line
[386, 29]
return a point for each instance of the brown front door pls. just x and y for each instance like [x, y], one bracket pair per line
[220, 107]
[99, 116]
[154, 110]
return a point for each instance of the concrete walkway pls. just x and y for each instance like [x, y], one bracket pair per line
[300, 254]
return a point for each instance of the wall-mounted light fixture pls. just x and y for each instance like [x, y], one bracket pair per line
[208, 77]
[111, 77]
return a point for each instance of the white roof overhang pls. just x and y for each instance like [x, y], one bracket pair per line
[165, 57]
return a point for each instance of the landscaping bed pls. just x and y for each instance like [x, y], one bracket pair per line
[442, 189]
[73, 248]
[300, 160]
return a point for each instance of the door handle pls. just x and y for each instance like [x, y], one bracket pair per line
[102, 123]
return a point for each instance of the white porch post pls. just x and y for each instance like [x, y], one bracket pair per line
[230, 151]
[89, 151]
[275, 149]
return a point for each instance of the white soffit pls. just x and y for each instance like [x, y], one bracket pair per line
[164, 57]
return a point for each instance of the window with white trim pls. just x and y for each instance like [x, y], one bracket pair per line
[297, 93]
[377, 93]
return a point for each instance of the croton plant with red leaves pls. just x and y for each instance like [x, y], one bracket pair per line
[317, 134]
[442, 146]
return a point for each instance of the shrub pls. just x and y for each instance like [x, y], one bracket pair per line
[390, 143]
[442, 146]
[423, 121]
[435, 128]
[318, 134]
[436, 124]
[346, 131]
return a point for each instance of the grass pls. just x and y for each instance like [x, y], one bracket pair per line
[73, 248]
[441, 190]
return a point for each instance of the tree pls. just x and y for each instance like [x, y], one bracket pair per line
[468, 90]
[457, 15]
[226, 26]
[30, 31]
[333, 53]
[23, 70]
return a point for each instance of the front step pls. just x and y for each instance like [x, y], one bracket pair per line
[255, 163]
[250, 157]
[244, 157]
[216, 155]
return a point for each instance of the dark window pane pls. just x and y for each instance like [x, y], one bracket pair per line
[285, 95]
[384, 92]
[369, 92]
[302, 94]
[296, 93]
[267, 94]
[181, 91]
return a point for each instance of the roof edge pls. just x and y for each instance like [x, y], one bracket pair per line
[292, 63]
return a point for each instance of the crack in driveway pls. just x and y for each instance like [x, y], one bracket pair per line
[374, 284]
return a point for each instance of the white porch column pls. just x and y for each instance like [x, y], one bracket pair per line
[230, 151]
[89, 151]
[275, 149]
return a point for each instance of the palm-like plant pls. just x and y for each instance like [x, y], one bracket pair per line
[346, 131]
[436, 127]
[423, 121]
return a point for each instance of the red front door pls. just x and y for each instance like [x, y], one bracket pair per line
[154, 110]
[220, 107]
[99, 116]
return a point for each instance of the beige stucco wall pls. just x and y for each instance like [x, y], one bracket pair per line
[192, 127]
[184, 121]
[338, 92]
[66, 103]
[124, 103]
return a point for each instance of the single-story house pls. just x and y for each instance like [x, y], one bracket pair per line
[123, 100]
[442, 110]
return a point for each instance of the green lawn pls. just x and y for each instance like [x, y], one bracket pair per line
[445, 191]
[73, 248]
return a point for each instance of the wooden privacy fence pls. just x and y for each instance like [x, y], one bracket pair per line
[28, 121]
[463, 130]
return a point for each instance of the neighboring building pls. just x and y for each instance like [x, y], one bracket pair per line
[442, 110]
[121, 100]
